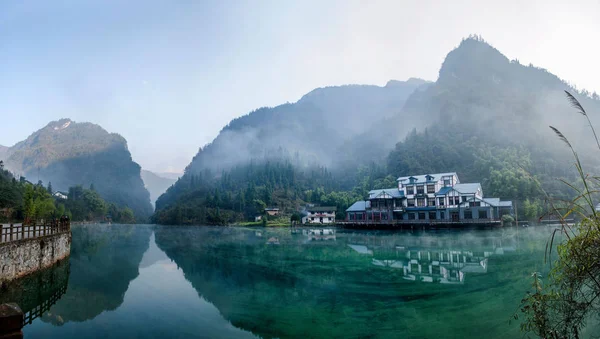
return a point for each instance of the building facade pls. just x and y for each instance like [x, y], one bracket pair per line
[319, 215]
[437, 197]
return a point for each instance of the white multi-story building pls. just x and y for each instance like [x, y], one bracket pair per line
[439, 196]
[319, 215]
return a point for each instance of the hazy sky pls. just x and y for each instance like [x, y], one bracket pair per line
[168, 75]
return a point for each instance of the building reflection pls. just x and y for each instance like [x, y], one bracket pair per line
[434, 258]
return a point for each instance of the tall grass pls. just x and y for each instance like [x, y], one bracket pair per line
[560, 305]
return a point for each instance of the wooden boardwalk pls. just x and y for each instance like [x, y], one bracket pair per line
[430, 224]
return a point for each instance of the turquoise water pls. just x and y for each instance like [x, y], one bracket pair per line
[225, 282]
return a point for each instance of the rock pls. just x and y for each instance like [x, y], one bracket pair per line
[11, 320]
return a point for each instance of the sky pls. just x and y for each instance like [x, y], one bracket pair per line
[168, 75]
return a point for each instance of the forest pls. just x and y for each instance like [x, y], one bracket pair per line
[486, 118]
[23, 201]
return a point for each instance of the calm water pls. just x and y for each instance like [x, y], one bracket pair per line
[209, 282]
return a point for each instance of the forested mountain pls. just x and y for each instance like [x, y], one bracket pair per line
[311, 129]
[489, 122]
[156, 184]
[67, 154]
[486, 117]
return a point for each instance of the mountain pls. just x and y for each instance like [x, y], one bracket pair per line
[311, 129]
[170, 175]
[489, 122]
[67, 153]
[3, 150]
[156, 184]
[486, 117]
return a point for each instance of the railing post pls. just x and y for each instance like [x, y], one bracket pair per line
[34, 230]
[11, 232]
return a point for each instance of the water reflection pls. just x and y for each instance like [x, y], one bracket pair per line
[38, 292]
[436, 258]
[104, 260]
[223, 282]
[310, 283]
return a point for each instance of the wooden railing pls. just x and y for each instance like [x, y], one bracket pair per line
[45, 306]
[13, 232]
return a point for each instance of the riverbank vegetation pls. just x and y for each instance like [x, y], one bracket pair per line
[566, 302]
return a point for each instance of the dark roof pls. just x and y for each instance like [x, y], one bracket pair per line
[359, 206]
[393, 192]
[421, 178]
[468, 188]
[322, 209]
[444, 191]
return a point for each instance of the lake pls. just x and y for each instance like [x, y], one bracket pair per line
[231, 282]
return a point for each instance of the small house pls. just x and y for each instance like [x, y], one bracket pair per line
[272, 210]
[60, 195]
[319, 215]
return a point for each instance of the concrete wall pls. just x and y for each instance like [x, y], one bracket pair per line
[22, 257]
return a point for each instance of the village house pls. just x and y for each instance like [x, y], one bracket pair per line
[429, 197]
[319, 215]
[272, 211]
[60, 195]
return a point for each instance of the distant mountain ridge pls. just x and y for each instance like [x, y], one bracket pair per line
[156, 184]
[67, 153]
[312, 128]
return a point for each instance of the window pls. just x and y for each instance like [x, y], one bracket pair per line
[410, 202]
[476, 203]
[442, 215]
[468, 215]
[312, 219]
[421, 202]
[421, 215]
[430, 188]
[431, 202]
[483, 214]
[446, 182]
[420, 189]
[411, 216]
[464, 198]
[432, 216]
[410, 189]
[456, 200]
[440, 201]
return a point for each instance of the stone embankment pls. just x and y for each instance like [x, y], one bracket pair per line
[26, 249]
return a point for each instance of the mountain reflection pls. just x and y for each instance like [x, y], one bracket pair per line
[282, 283]
[101, 270]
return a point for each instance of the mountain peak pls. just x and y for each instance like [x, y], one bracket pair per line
[473, 57]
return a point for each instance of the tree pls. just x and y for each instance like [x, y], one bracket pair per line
[50, 187]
